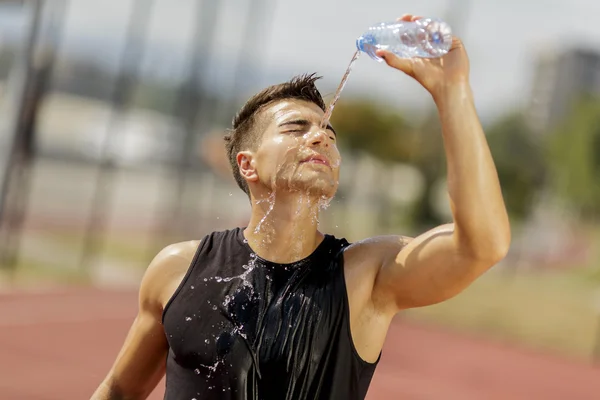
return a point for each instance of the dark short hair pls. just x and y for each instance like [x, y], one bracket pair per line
[245, 136]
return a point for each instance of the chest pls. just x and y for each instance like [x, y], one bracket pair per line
[256, 317]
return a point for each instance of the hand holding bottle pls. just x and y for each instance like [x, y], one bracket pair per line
[434, 74]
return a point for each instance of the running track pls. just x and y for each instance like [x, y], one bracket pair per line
[58, 346]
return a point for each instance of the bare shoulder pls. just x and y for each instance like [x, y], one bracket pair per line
[166, 272]
[374, 250]
[363, 261]
[182, 251]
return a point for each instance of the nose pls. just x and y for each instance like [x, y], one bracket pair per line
[317, 136]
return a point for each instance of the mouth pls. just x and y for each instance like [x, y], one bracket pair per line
[316, 159]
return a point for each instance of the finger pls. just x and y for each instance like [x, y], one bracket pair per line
[409, 18]
[456, 43]
[405, 17]
[403, 64]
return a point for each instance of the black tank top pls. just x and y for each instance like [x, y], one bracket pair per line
[240, 327]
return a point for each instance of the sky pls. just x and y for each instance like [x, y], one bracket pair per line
[502, 38]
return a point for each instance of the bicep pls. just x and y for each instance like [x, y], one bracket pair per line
[426, 270]
[140, 364]
[141, 361]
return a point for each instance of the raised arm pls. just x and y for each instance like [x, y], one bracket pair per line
[140, 364]
[442, 262]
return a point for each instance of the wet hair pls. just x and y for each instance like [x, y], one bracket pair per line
[246, 132]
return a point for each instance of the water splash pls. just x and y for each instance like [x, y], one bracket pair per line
[248, 268]
[239, 330]
[211, 368]
[304, 203]
[338, 92]
[324, 202]
[231, 305]
[271, 201]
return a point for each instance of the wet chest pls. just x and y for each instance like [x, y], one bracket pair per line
[262, 318]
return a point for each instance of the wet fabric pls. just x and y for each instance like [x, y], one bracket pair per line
[240, 327]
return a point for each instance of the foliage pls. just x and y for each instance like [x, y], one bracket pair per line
[519, 160]
[574, 158]
[384, 133]
[363, 126]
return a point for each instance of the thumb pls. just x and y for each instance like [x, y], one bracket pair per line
[403, 64]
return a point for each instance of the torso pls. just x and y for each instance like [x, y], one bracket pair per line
[367, 341]
[368, 326]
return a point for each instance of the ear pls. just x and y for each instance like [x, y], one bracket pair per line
[246, 164]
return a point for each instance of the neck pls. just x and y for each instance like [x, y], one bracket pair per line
[283, 227]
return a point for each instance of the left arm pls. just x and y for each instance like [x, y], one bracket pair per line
[442, 262]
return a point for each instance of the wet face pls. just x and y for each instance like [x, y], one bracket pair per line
[294, 154]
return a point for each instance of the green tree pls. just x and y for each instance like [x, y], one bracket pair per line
[519, 160]
[428, 156]
[364, 126]
[384, 133]
[574, 158]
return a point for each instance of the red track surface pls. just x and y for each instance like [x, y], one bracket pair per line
[59, 346]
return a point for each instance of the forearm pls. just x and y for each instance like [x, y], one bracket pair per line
[107, 391]
[480, 218]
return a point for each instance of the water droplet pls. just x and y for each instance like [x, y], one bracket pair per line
[188, 319]
[205, 280]
[252, 255]
[207, 341]
[215, 308]
[230, 194]
[197, 371]
[192, 287]
[271, 201]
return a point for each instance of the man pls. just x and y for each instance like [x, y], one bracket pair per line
[279, 310]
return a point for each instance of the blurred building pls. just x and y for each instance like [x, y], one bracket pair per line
[560, 80]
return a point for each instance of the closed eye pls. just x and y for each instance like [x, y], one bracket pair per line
[302, 131]
[304, 125]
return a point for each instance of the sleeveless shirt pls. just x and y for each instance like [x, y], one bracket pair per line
[243, 328]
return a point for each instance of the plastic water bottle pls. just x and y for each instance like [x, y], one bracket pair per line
[425, 37]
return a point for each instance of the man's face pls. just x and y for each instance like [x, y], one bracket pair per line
[295, 154]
